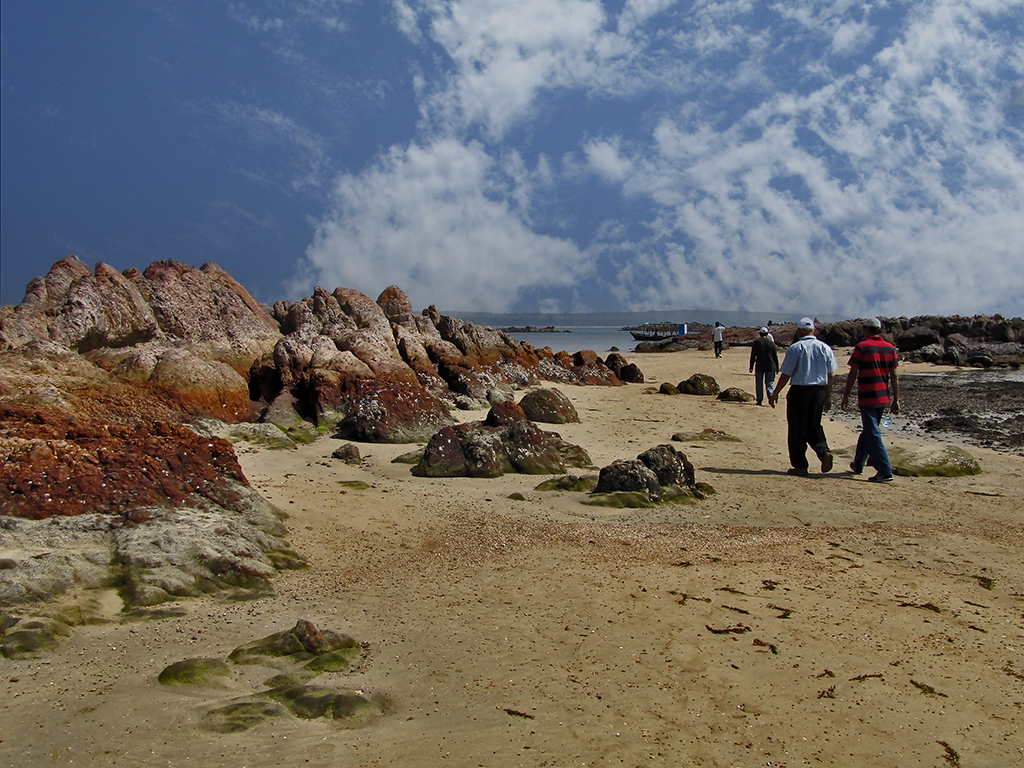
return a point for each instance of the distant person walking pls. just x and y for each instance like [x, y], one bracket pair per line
[718, 333]
[808, 366]
[873, 366]
[764, 364]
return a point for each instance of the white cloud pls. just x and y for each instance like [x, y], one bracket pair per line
[505, 52]
[604, 159]
[261, 17]
[407, 20]
[768, 181]
[437, 221]
[851, 36]
[308, 164]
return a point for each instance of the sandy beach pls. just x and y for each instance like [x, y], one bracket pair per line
[783, 621]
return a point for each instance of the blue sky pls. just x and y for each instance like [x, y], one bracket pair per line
[796, 156]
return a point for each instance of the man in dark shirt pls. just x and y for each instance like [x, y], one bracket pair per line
[764, 364]
[873, 366]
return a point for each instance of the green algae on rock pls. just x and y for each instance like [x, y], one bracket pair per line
[201, 673]
[933, 461]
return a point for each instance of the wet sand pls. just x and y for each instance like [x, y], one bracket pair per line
[784, 621]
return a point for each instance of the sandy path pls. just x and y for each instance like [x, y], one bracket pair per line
[885, 623]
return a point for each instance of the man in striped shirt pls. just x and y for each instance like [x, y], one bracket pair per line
[873, 366]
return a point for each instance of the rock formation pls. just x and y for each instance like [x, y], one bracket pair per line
[980, 341]
[659, 475]
[548, 406]
[113, 385]
[506, 441]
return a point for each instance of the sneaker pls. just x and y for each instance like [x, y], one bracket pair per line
[799, 471]
[855, 469]
[880, 479]
[826, 462]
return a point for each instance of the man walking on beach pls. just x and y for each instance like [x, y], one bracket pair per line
[764, 363]
[873, 366]
[718, 333]
[809, 365]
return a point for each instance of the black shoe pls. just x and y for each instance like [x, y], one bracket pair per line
[855, 469]
[826, 462]
[799, 471]
[880, 479]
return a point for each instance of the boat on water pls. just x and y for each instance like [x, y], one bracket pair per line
[656, 331]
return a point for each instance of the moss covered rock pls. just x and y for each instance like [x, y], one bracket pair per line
[570, 483]
[31, 638]
[933, 461]
[301, 643]
[201, 673]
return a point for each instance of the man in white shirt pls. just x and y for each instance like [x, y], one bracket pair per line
[808, 368]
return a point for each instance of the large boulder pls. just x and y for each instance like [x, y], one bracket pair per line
[504, 442]
[933, 461]
[628, 476]
[917, 337]
[548, 406]
[376, 411]
[669, 465]
[699, 384]
[659, 475]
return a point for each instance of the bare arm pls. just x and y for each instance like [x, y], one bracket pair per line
[773, 398]
[894, 386]
[851, 377]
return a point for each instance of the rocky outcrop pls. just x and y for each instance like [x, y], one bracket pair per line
[979, 341]
[115, 385]
[388, 374]
[188, 334]
[504, 442]
[154, 554]
[83, 309]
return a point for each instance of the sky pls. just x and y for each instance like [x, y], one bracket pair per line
[800, 156]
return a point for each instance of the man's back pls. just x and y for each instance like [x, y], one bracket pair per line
[875, 359]
[763, 354]
[809, 362]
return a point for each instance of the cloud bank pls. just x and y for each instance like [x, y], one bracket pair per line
[834, 157]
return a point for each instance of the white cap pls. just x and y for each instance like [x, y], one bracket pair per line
[805, 324]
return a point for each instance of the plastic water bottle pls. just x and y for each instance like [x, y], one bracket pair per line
[887, 421]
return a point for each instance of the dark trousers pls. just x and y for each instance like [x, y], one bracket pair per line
[804, 409]
[718, 348]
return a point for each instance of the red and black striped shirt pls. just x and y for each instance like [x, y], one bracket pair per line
[875, 359]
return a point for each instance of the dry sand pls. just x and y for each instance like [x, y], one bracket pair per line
[885, 622]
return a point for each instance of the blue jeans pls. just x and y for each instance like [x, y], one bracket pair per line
[763, 380]
[870, 445]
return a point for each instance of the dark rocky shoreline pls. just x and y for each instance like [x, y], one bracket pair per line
[984, 408]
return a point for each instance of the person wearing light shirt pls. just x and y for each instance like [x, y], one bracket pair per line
[808, 369]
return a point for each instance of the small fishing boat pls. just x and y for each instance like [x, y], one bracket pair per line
[656, 331]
